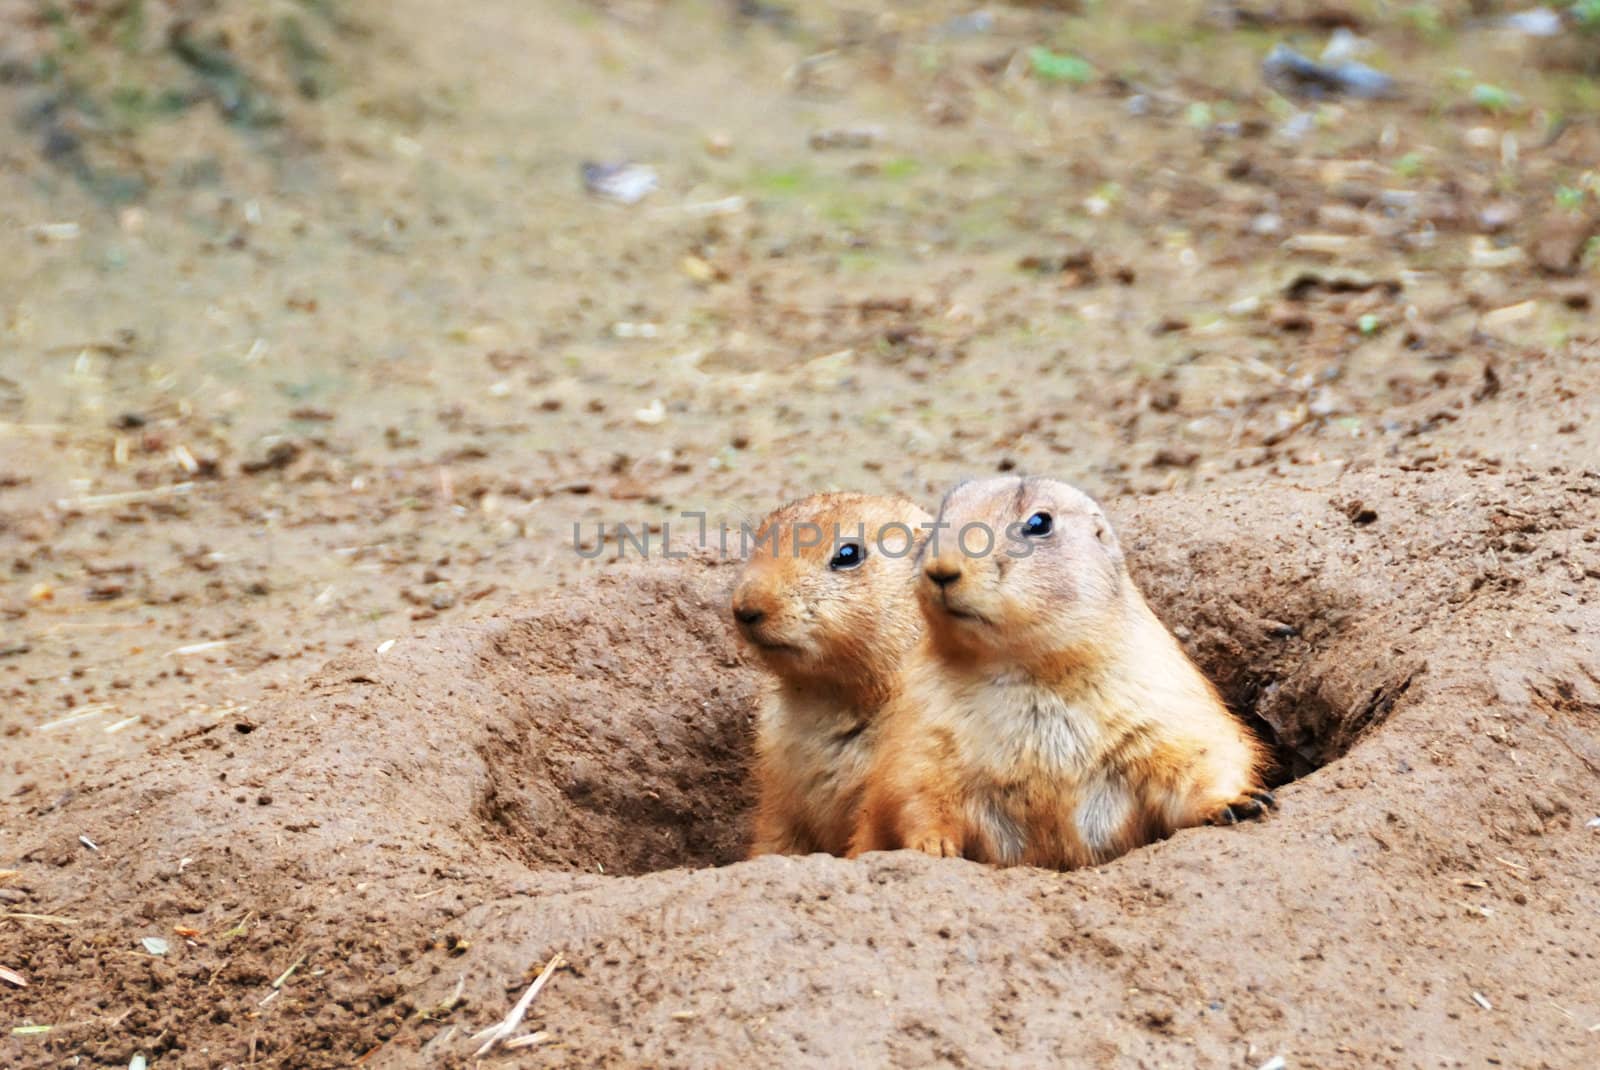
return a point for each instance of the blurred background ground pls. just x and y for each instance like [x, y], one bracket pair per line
[311, 334]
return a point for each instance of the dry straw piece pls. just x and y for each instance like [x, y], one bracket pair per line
[505, 1027]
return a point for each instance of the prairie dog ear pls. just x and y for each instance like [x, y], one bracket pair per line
[1106, 536]
[920, 534]
[901, 539]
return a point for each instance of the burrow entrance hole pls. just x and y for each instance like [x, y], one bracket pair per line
[623, 741]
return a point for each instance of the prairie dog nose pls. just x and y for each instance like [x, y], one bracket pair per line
[942, 572]
[748, 615]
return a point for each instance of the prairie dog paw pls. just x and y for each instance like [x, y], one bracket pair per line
[936, 845]
[1252, 804]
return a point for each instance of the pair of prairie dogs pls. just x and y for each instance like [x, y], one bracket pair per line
[990, 685]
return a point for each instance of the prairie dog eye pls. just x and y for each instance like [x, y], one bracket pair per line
[849, 555]
[1038, 526]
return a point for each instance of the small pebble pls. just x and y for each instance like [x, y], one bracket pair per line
[846, 137]
[1535, 22]
[1319, 244]
[1267, 224]
[1340, 217]
[979, 22]
[1326, 403]
[1290, 72]
[1485, 255]
[1499, 215]
[56, 232]
[1297, 126]
[625, 183]
[1345, 45]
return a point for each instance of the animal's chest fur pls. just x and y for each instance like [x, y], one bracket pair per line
[821, 759]
[1036, 790]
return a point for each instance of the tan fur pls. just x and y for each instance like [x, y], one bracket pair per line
[832, 641]
[1048, 717]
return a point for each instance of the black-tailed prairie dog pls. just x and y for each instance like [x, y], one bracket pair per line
[1048, 718]
[827, 602]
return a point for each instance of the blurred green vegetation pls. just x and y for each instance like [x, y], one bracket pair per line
[96, 73]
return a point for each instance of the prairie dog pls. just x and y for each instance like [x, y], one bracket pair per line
[826, 602]
[1048, 718]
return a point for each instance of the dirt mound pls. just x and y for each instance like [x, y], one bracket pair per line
[623, 741]
[417, 831]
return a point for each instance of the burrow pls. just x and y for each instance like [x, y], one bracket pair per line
[621, 741]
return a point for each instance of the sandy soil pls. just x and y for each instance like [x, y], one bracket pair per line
[295, 634]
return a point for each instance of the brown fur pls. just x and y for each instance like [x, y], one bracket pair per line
[833, 641]
[1048, 717]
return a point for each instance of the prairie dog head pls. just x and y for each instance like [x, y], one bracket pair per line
[1022, 572]
[826, 597]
